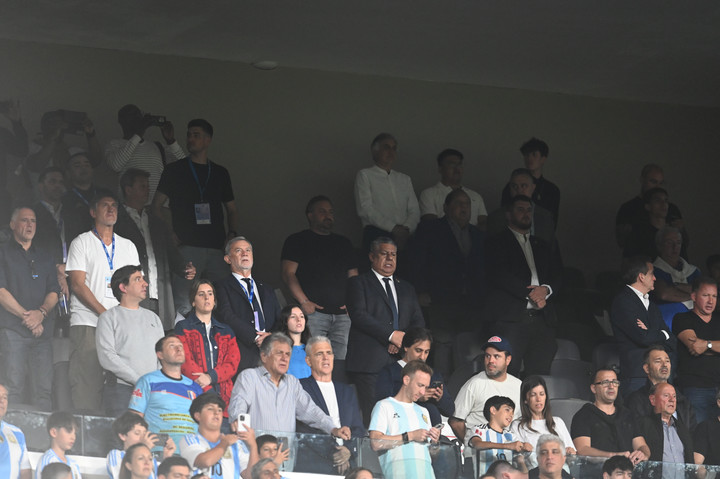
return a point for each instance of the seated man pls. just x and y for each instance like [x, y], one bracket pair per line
[336, 399]
[13, 447]
[551, 459]
[275, 399]
[494, 381]
[504, 470]
[668, 438]
[210, 450]
[617, 467]
[164, 397]
[450, 166]
[605, 429]
[636, 321]
[401, 428]
[657, 366]
[674, 275]
[706, 445]
[698, 356]
[416, 345]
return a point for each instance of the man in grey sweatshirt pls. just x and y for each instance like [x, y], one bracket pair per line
[125, 338]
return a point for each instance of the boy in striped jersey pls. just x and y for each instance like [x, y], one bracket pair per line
[212, 453]
[402, 429]
[62, 427]
[493, 440]
[14, 459]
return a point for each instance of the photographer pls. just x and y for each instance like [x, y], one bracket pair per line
[134, 152]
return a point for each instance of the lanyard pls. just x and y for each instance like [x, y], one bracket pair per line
[197, 180]
[250, 289]
[110, 259]
[75, 190]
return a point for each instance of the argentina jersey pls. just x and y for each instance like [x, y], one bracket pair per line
[13, 451]
[485, 457]
[233, 462]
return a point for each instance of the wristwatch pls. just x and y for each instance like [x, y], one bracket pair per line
[405, 437]
[709, 345]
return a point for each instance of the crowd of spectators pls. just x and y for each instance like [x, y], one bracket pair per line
[167, 322]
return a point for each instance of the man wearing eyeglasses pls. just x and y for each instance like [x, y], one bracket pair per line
[604, 429]
[28, 293]
[124, 354]
[381, 309]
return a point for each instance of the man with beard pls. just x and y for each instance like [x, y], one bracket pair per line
[316, 264]
[494, 381]
[523, 272]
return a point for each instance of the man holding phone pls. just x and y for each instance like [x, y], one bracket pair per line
[416, 344]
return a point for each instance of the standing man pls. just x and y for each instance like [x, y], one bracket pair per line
[164, 397]
[28, 293]
[81, 191]
[523, 272]
[123, 353]
[403, 428]
[494, 381]
[605, 429]
[546, 194]
[698, 357]
[316, 264]
[93, 258]
[381, 308]
[198, 191]
[134, 152]
[337, 400]
[50, 225]
[432, 200]
[159, 255]
[637, 322]
[14, 457]
[384, 198]
[247, 305]
[542, 225]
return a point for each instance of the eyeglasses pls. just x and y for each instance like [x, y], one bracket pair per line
[607, 383]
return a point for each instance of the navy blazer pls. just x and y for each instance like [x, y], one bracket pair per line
[508, 276]
[632, 340]
[234, 309]
[439, 267]
[372, 320]
[348, 407]
[389, 382]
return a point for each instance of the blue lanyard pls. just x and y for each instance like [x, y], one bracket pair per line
[197, 180]
[110, 259]
[79, 195]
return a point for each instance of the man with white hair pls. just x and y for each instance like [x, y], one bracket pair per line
[551, 459]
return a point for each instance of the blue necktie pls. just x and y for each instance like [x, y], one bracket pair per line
[255, 304]
[391, 297]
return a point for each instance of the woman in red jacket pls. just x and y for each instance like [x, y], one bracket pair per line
[211, 351]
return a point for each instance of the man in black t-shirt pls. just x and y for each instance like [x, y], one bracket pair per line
[698, 357]
[315, 266]
[199, 194]
[606, 429]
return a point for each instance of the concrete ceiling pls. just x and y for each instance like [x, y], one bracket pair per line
[656, 51]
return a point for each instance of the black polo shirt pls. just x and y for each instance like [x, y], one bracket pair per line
[29, 276]
[606, 432]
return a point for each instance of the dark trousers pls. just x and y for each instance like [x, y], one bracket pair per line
[365, 386]
[532, 341]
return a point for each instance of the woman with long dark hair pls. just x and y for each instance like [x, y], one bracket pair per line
[537, 418]
[292, 323]
[137, 463]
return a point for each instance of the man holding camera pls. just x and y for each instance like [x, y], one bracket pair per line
[134, 152]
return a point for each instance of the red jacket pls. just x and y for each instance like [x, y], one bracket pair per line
[223, 346]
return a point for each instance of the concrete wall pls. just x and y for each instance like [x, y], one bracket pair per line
[288, 134]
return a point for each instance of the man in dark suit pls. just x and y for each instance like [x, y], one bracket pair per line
[159, 256]
[333, 398]
[381, 309]
[247, 305]
[523, 273]
[637, 322]
[669, 442]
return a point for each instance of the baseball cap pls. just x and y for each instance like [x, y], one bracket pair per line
[499, 343]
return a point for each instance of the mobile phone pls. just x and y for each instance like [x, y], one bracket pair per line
[282, 443]
[162, 439]
[243, 419]
[435, 384]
